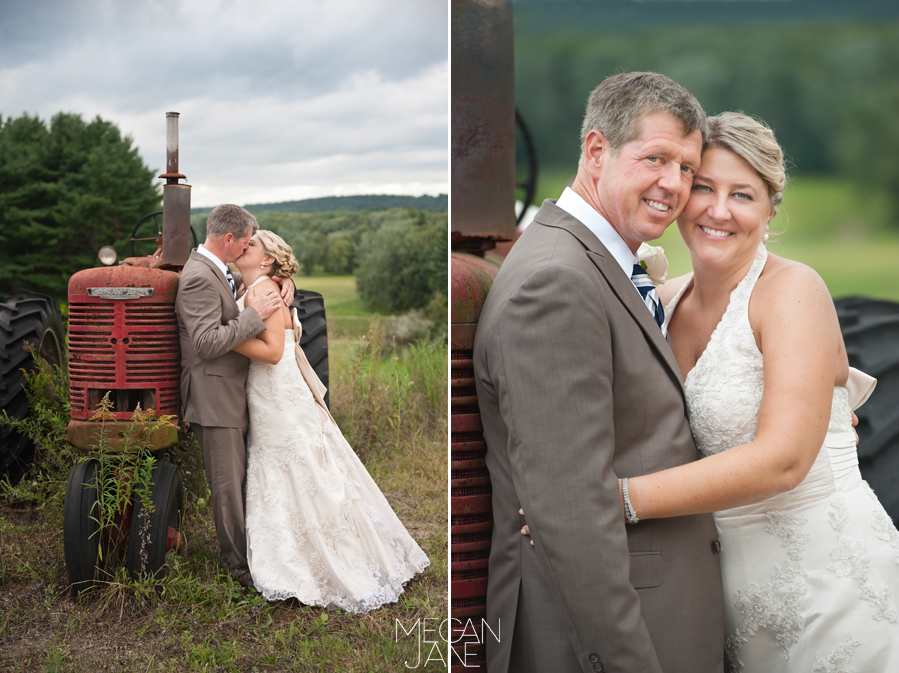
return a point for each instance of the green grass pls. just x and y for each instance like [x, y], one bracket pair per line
[343, 307]
[846, 234]
[392, 410]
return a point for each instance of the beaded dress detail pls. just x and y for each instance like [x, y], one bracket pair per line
[811, 576]
[318, 527]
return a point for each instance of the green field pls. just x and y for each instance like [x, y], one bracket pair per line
[342, 304]
[391, 407]
[845, 234]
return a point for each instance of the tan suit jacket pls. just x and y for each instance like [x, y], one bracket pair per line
[577, 387]
[209, 326]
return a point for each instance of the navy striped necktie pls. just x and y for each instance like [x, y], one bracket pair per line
[650, 297]
[231, 282]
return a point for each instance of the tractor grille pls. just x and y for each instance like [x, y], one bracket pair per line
[96, 315]
[149, 372]
[151, 314]
[157, 344]
[126, 349]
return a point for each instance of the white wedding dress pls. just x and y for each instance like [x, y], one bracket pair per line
[318, 527]
[811, 576]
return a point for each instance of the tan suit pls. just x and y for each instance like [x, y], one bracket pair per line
[212, 389]
[577, 387]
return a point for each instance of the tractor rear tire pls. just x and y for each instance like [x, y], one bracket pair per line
[167, 494]
[870, 330]
[310, 308]
[33, 318]
[81, 526]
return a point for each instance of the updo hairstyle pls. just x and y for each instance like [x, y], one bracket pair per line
[285, 264]
[754, 141]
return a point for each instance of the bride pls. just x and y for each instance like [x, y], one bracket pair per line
[318, 527]
[808, 554]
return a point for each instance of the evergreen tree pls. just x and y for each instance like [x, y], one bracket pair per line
[66, 189]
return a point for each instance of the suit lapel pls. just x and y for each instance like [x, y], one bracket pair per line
[196, 256]
[617, 281]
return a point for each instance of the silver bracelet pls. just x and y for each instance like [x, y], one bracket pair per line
[629, 514]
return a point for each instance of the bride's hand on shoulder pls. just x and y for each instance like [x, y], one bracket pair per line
[265, 302]
[286, 288]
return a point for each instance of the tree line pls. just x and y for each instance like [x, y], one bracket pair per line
[828, 90]
[355, 202]
[398, 255]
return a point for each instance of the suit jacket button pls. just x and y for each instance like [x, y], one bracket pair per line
[594, 658]
[598, 668]
[716, 547]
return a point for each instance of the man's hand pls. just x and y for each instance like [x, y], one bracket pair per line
[288, 289]
[265, 303]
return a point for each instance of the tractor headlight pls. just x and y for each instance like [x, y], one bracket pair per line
[108, 255]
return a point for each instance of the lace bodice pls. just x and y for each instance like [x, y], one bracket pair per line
[724, 389]
[809, 574]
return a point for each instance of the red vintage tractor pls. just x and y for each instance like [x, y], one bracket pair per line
[483, 193]
[123, 352]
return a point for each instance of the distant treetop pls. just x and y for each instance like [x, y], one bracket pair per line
[360, 202]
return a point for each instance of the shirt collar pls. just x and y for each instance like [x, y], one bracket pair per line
[572, 203]
[215, 260]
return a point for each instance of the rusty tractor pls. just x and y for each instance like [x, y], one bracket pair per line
[124, 355]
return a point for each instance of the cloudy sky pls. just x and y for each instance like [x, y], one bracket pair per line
[279, 100]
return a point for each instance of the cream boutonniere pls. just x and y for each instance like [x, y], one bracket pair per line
[652, 259]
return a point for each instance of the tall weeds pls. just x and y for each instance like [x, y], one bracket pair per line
[389, 401]
[47, 390]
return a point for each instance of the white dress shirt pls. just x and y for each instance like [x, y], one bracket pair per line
[220, 265]
[575, 206]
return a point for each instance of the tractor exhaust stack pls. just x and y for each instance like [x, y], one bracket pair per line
[175, 202]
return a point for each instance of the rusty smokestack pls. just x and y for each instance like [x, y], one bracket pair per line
[175, 202]
[171, 145]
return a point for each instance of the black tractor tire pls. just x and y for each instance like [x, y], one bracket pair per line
[167, 492]
[33, 318]
[80, 528]
[870, 330]
[310, 308]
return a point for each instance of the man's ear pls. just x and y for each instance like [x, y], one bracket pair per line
[596, 149]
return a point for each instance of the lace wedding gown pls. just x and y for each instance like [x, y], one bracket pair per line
[318, 527]
[810, 576]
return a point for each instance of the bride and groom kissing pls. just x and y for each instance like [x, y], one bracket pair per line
[682, 457]
[296, 513]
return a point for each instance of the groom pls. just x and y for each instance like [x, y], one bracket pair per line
[213, 375]
[578, 387]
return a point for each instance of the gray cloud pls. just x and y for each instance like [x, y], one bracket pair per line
[276, 91]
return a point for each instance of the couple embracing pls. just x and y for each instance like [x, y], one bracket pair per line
[296, 513]
[682, 457]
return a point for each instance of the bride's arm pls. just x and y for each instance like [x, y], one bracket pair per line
[803, 355]
[267, 346]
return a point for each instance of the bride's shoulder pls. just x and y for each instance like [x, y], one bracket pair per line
[781, 274]
[788, 288]
[671, 287]
[268, 284]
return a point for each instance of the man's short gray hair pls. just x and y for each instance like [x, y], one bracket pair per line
[617, 104]
[230, 219]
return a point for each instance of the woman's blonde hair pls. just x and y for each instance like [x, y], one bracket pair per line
[754, 141]
[285, 264]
